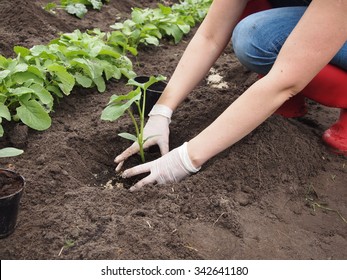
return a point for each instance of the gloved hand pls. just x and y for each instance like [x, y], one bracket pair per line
[171, 167]
[157, 126]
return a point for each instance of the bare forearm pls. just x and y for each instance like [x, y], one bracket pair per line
[239, 119]
[206, 46]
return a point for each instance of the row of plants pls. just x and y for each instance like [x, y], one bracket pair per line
[78, 8]
[148, 26]
[30, 83]
[36, 77]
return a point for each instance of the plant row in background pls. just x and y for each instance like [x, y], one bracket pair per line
[76, 7]
[36, 77]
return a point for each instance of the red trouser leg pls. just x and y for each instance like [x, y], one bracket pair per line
[329, 88]
[294, 107]
[255, 6]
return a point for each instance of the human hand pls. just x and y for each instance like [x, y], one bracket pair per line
[171, 167]
[156, 130]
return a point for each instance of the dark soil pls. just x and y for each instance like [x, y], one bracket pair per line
[277, 194]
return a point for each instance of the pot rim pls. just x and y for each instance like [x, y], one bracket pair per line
[19, 176]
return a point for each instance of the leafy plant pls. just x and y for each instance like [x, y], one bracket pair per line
[193, 9]
[23, 95]
[30, 83]
[79, 8]
[148, 26]
[119, 104]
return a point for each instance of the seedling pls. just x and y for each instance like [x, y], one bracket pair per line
[119, 104]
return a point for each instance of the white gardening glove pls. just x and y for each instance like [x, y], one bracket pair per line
[171, 167]
[157, 126]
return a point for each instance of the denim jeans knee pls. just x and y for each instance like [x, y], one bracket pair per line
[258, 38]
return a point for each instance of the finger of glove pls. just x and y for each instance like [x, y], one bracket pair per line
[145, 181]
[139, 169]
[164, 147]
[119, 166]
[133, 149]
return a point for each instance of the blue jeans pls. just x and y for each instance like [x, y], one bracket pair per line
[258, 38]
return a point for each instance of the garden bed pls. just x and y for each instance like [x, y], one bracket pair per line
[277, 194]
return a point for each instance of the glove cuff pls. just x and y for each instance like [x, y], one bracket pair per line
[183, 151]
[159, 109]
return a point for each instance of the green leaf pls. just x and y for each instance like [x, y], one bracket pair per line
[10, 152]
[66, 79]
[128, 73]
[184, 27]
[116, 107]
[4, 74]
[83, 80]
[100, 84]
[138, 16]
[5, 112]
[3, 62]
[117, 25]
[77, 9]
[33, 115]
[20, 67]
[93, 70]
[21, 91]
[174, 31]
[38, 50]
[110, 52]
[128, 136]
[22, 77]
[22, 51]
[97, 4]
[151, 81]
[56, 90]
[37, 71]
[43, 94]
[151, 40]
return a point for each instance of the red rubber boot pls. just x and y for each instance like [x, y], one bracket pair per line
[336, 135]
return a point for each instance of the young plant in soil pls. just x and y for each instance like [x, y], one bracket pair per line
[119, 104]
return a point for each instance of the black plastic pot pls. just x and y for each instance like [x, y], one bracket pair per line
[11, 190]
[152, 94]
